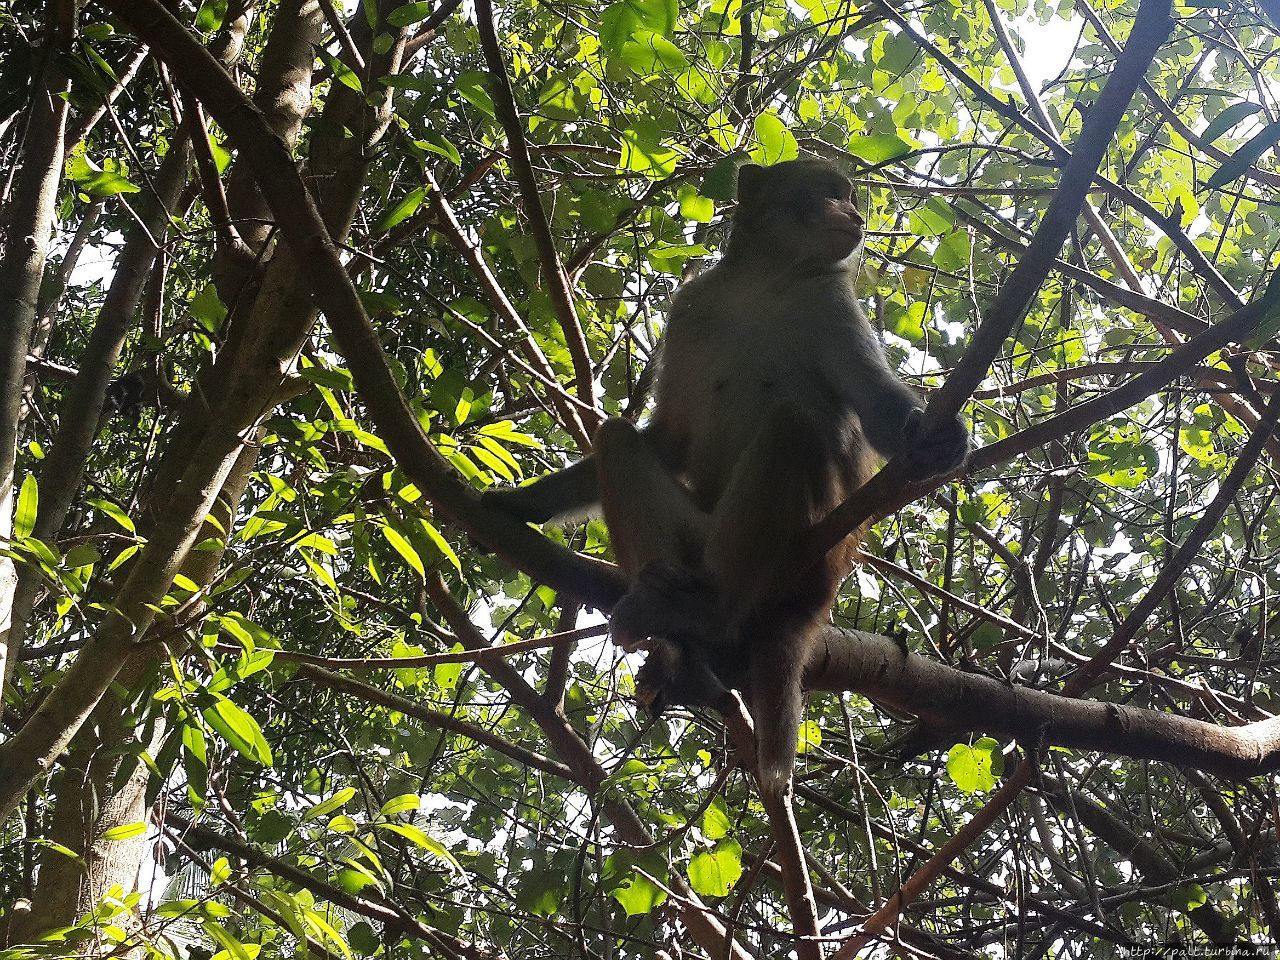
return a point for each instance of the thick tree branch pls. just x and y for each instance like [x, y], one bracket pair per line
[943, 696]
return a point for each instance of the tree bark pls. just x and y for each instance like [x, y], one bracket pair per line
[24, 248]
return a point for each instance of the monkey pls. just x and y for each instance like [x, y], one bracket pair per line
[125, 395]
[773, 402]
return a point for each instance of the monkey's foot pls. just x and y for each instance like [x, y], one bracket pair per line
[939, 452]
[672, 674]
[665, 601]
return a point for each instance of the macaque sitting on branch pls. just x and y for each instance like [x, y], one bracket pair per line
[774, 401]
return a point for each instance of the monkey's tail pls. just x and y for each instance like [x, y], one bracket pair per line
[778, 652]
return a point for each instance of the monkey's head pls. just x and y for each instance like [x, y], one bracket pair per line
[798, 212]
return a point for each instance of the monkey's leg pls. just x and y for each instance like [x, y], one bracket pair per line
[658, 534]
[799, 466]
[650, 515]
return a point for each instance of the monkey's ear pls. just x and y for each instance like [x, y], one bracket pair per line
[750, 182]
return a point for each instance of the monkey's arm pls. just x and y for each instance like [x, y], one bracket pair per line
[573, 490]
[890, 412]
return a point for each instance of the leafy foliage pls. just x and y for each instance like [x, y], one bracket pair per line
[381, 796]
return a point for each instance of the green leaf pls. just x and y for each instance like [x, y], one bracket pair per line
[974, 768]
[776, 142]
[410, 13]
[401, 804]
[210, 15]
[239, 729]
[208, 308]
[541, 892]
[638, 895]
[1187, 898]
[115, 513]
[363, 939]
[694, 206]
[402, 211]
[124, 831]
[342, 73]
[471, 86]
[441, 544]
[953, 252]
[644, 152]
[620, 21]
[1228, 118]
[1244, 158]
[647, 53]
[713, 873]
[405, 549]
[415, 835]
[715, 822]
[879, 148]
[328, 806]
[24, 518]
[105, 181]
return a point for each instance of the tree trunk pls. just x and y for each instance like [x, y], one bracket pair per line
[24, 248]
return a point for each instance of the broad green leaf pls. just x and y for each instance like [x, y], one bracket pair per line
[441, 544]
[105, 181]
[643, 152]
[974, 768]
[401, 804]
[648, 53]
[472, 86]
[410, 13]
[405, 549]
[328, 806]
[953, 252]
[114, 512]
[1227, 119]
[638, 895]
[879, 148]
[1244, 158]
[124, 831]
[715, 822]
[343, 74]
[363, 939]
[694, 206]
[713, 873]
[239, 729]
[1187, 898]
[776, 142]
[318, 924]
[210, 15]
[24, 517]
[403, 210]
[417, 836]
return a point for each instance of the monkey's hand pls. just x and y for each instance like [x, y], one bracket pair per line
[938, 453]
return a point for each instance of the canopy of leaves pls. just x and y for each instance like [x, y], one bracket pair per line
[466, 808]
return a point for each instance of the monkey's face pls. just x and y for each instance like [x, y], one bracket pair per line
[803, 210]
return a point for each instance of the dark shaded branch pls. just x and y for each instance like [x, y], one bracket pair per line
[434, 718]
[518, 156]
[1150, 29]
[1187, 551]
